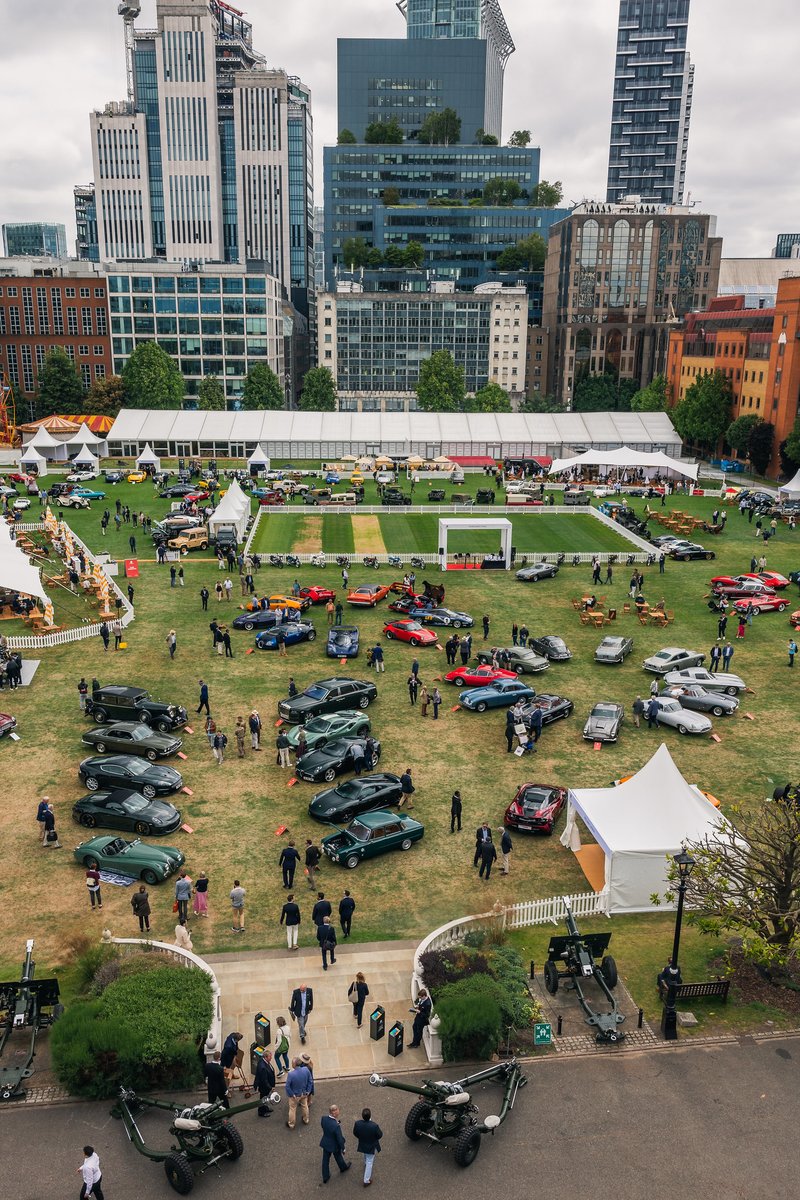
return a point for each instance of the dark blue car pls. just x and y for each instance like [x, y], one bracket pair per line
[342, 642]
[296, 631]
[263, 618]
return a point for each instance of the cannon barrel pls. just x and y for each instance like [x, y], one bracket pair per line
[570, 921]
[429, 1090]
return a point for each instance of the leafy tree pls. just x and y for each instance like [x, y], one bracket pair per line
[390, 196]
[355, 253]
[319, 391]
[211, 394]
[346, 138]
[603, 393]
[501, 191]
[60, 386]
[537, 403]
[383, 133]
[152, 380]
[790, 450]
[704, 414]
[414, 254]
[759, 446]
[374, 258]
[440, 387]
[440, 128]
[520, 137]
[394, 256]
[489, 399]
[747, 882]
[547, 195]
[528, 254]
[482, 138]
[737, 435]
[105, 397]
[652, 398]
[262, 389]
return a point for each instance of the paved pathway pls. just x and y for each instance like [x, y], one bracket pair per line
[263, 982]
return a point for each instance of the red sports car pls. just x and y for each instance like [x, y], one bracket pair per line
[741, 586]
[368, 594]
[317, 595]
[411, 632]
[409, 602]
[794, 619]
[477, 676]
[760, 604]
[535, 808]
[771, 578]
[271, 499]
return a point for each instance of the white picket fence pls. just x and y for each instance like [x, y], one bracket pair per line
[512, 916]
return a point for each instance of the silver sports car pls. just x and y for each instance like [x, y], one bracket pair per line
[604, 722]
[671, 712]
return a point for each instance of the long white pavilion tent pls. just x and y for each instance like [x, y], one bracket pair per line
[626, 458]
[284, 435]
[17, 572]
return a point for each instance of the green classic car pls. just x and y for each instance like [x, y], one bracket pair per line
[152, 864]
[350, 722]
[371, 834]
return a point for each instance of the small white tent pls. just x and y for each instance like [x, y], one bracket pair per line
[31, 460]
[85, 440]
[790, 490]
[48, 446]
[86, 460]
[258, 460]
[16, 571]
[639, 825]
[232, 512]
[148, 458]
[624, 457]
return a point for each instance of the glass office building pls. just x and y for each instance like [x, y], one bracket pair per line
[35, 237]
[653, 83]
[786, 245]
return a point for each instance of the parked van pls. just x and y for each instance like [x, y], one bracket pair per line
[190, 539]
[290, 487]
[341, 500]
[520, 498]
[457, 475]
[577, 497]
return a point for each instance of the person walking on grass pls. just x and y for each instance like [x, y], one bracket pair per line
[792, 648]
[485, 623]
[347, 907]
[329, 610]
[288, 862]
[377, 658]
[239, 733]
[183, 894]
[204, 598]
[104, 635]
[407, 788]
[83, 691]
[638, 710]
[488, 856]
[93, 885]
[313, 855]
[254, 725]
[436, 700]
[413, 689]
[456, 807]
[369, 1134]
[290, 917]
[238, 894]
[740, 629]
[203, 698]
[118, 631]
[201, 895]
[424, 699]
[282, 745]
[172, 642]
[220, 744]
[506, 847]
[727, 655]
[140, 903]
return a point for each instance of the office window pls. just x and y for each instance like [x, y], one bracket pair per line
[83, 351]
[85, 293]
[86, 320]
[101, 321]
[99, 371]
[69, 293]
[13, 316]
[27, 366]
[86, 375]
[12, 291]
[98, 351]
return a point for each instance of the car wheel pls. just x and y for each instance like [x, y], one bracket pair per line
[406, 844]
[151, 755]
[568, 711]
[99, 715]
[89, 860]
[710, 555]
[389, 634]
[164, 726]
[100, 747]
[730, 691]
[352, 862]
[204, 545]
[481, 707]
[249, 625]
[459, 681]
[184, 550]
[413, 641]
[144, 717]
[141, 827]
[92, 783]
[311, 635]
[781, 607]
[682, 729]
[717, 711]
[148, 791]
[329, 775]
[520, 670]
[88, 820]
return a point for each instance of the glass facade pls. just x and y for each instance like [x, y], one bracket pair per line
[146, 85]
[653, 85]
[35, 237]
[86, 223]
[784, 247]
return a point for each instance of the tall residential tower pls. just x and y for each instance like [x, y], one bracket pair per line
[652, 105]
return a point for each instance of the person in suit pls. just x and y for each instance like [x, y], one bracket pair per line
[289, 858]
[215, 1081]
[300, 1008]
[422, 1015]
[290, 916]
[482, 834]
[321, 909]
[455, 811]
[346, 907]
[488, 856]
[332, 1143]
[358, 993]
[326, 936]
[264, 1082]
[369, 1134]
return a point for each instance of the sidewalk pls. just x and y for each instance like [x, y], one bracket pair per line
[263, 981]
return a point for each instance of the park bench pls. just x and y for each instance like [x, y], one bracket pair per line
[711, 988]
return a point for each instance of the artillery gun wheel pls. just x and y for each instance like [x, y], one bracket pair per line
[179, 1173]
[418, 1118]
[551, 977]
[468, 1143]
[608, 969]
[229, 1134]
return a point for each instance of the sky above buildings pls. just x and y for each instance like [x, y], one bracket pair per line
[57, 62]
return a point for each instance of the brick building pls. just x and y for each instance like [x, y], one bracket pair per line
[46, 303]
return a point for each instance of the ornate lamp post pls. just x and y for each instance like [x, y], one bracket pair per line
[669, 1017]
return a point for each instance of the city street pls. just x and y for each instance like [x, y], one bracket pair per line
[707, 1121]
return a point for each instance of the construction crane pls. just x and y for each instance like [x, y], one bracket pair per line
[129, 10]
[8, 415]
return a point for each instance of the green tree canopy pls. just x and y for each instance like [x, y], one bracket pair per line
[537, 403]
[374, 258]
[346, 138]
[737, 435]
[60, 386]
[262, 389]
[414, 254]
[520, 137]
[211, 394]
[790, 449]
[441, 128]
[441, 384]
[390, 196]
[759, 446]
[355, 253]
[652, 398]
[704, 414]
[501, 191]
[603, 393]
[105, 397]
[547, 195]
[383, 133]
[319, 391]
[482, 138]
[528, 254]
[394, 256]
[489, 399]
[152, 380]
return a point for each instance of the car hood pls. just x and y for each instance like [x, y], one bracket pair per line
[300, 704]
[692, 720]
[602, 724]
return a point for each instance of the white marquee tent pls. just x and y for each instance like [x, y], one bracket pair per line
[31, 460]
[84, 458]
[638, 825]
[791, 489]
[48, 446]
[623, 457]
[232, 512]
[149, 459]
[259, 459]
[16, 572]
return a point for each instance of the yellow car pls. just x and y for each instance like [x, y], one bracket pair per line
[137, 477]
[298, 603]
[357, 477]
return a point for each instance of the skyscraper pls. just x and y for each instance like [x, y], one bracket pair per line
[652, 105]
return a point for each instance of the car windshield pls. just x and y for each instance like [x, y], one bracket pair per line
[670, 706]
[412, 625]
[137, 766]
[140, 733]
[118, 846]
[557, 643]
[612, 643]
[351, 790]
[135, 804]
[535, 798]
[606, 711]
[667, 654]
[340, 746]
[315, 692]
[359, 832]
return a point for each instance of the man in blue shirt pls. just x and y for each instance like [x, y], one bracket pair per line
[183, 894]
[298, 1089]
[332, 1143]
